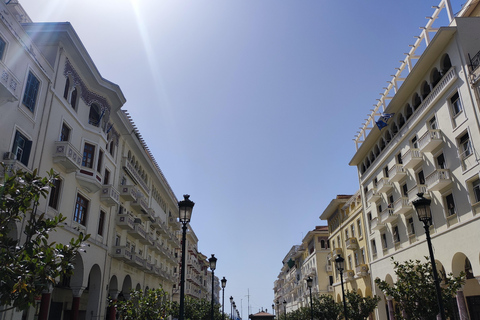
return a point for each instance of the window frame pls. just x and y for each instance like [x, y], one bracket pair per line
[55, 193]
[30, 94]
[456, 106]
[25, 148]
[88, 158]
[449, 212]
[80, 211]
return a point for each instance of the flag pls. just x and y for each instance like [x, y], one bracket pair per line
[382, 121]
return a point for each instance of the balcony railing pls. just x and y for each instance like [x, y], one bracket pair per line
[352, 244]
[376, 224]
[430, 140]
[361, 270]
[397, 172]
[402, 205]
[388, 215]
[412, 193]
[138, 232]
[373, 195]
[125, 221]
[438, 179]
[411, 158]
[110, 196]
[141, 203]
[128, 193]
[348, 275]
[9, 85]
[67, 156]
[130, 169]
[122, 253]
[384, 185]
[89, 179]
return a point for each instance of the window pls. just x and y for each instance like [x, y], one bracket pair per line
[352, 227]
[433, 123]
[374, 248]
[55, 194]
[346, 234]
[421, 177]
[410, 226]
[379, 208]
[31, 91]
[111, 148]
[399, 158]
[357, 261]
[81, 207]
[21, 148]
[465, 146]
[362, 254]
[88, 154]
[476, 190]
[385, 172]
[456, 104]
[414, 142]
[117, 240]
[94, 115]
[405, 190]
[3, 44]
[396, 234]
[73, 98]
[67, 88]
[101, 222]
[390, 201]
[350, 265]
[441, 164]
[384, 240]
[65, 133]
[99, 161]
[450, 205]
[106, 176]
[359, 226]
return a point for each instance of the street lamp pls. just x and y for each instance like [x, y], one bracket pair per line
[309, 285]
[278, 309]
[285, 309]
[213, 265]
[273, 309]
[185, 208]
[422, 206]
[231, 307]
[234, 309]
[224, 284]
[340, 265]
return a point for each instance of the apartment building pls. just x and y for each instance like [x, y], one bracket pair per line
[59, 112]
[347, 237]
[425, 142]
[302, 261]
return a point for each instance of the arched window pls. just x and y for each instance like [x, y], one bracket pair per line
[376, 151]
[73, 99]
[129, 155]
[67, 88]
[425, 89]
[408, 111]
[446, 64]
[388, 137]
[416, 101]
[401, 120]
[382, 144]
[394, 129]
[435, 77]
[94, 115]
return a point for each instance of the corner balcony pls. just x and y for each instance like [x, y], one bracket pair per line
[89, 180]
[352, 244]
[336, 252]
[348, 275]
[140, 203]
[397, 173]
[109, 196]
[430, 140]
[128, 193]
[438, 179]
[384, 185]
[362, 270]
[412, 193]
[411, 158]
[138, 232]
[376, 224]
[9, 85]
[125, 221]
[67, 156]
[121, 253]
[388, 215]
[373, 195]
[402, 206]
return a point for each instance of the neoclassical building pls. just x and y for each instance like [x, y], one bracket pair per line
[59, 112]
[427, 146]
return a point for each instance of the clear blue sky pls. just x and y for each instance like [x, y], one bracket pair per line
[250, 106]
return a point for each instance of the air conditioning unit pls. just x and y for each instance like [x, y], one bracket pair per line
[9, 156]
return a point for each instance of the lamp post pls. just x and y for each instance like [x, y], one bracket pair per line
[422, 206]
[234, 308]
[339, 264]
[185, 214]
[285, 309]
[273, 309]
[213, 265]
[309, 285]
[224, 284]
[278, 309]
[231, 307]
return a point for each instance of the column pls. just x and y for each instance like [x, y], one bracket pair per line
[45, 303]
[77, 294]
[112, 310]
[462, 305]
[391, 311]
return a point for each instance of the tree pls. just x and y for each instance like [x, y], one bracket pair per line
[154, 304]
[325, 308]
[414, 290]
[33, 264]
[358, 307]
[198, 309]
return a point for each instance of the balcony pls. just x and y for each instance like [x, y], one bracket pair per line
[67, 156]
[149, 267]
[375, 224]
[430, 140]
[402, 205]
[125, 221]
[388, 215]
[397, 173]
[361, 270]
[412, 193]
[348, 275]
[336, 252]
[373, 195]
[89, 180]
[384, 185]
[352, 244]
[330, 288]
[132, 172]
[109, 196]
[128, 193]
[138, 261]
[151, 214]
[411, 158]
[8, 85]
[328, 268]
[138, 232]
[172, 222]
[140, 203]
[438, 180]
[122, 253]
[11, 166]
